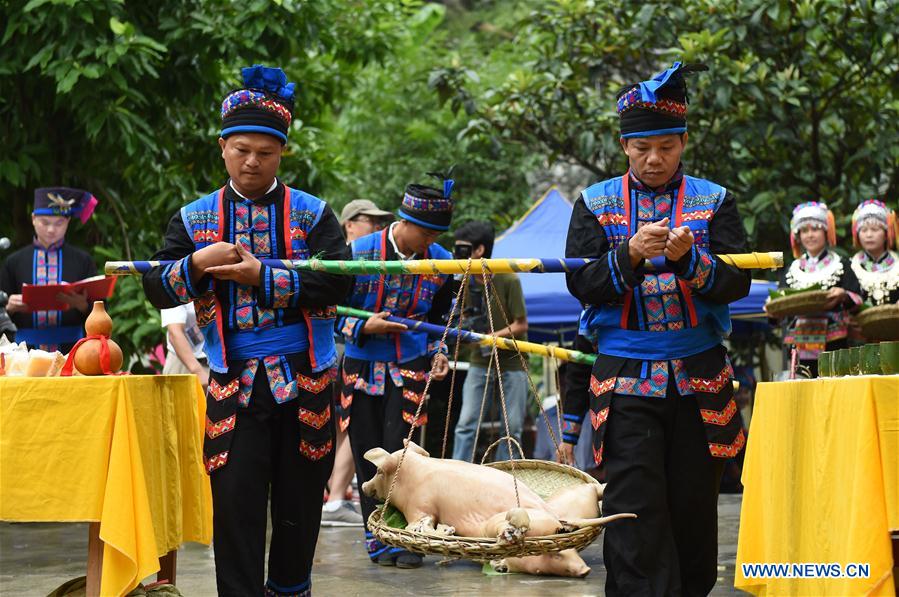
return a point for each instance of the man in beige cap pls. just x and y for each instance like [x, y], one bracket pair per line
[361, 217]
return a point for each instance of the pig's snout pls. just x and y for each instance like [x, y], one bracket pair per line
[370, 488]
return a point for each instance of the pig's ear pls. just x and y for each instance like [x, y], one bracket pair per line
[416, 448]
[377, 456]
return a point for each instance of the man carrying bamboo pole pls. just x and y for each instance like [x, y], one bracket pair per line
[385, 367]
[660, 391]
[269, 341]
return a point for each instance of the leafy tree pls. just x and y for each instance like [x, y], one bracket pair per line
[393, 127]
[121, 98]
[799, 103]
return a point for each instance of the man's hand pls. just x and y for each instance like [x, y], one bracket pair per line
[245, 271]
[679, 242]
[15, 304]
[203, 376]
[835, 297]
[439, 366]
[211, 256]
[565, 454]
[376, 324]
[649, 242]
[75, 300]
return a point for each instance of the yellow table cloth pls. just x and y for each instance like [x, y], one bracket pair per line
[821, 483]
[124, 451]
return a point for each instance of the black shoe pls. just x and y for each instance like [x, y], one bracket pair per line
[401, 559]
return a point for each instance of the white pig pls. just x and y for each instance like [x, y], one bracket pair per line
[455, 497]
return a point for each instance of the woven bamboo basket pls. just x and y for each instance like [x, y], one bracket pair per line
[880, 323]
[543, 477]
[801, 303]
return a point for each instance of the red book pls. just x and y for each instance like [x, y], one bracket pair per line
[43, 298]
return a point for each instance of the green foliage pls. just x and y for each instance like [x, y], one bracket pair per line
[122, 98]
[799, 103]
[395, 125]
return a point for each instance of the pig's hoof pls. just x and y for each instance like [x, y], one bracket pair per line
[425, 525]
[565, 527]
[445, 529]
[510, 534]
[500, 565]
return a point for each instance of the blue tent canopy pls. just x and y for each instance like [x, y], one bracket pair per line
[552, 311]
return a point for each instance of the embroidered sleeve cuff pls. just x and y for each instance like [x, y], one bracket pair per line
[351, 328]
[436, 346]
[696, 268]
[571, 428]
[278, 288]
[178, 283]
[624, 277]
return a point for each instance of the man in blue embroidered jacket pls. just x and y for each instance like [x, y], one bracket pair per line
[385, 367]
[661, 394]
[269, 342]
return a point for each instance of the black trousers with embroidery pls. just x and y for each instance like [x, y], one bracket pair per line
[264, 455]
[658, 466]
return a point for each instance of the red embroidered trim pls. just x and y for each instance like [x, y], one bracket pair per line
[597, 455]
[599, 418]
[410, 419]
[714, 417]
[220, 392]
[414, 375]
[213, 430]
[205, 236]
[601, 387]
[413, 397]
[314, 419]
[711, 386]
[313, 452]
[217, 461]
[346, 400]
[728, 450]
[703, 214]
[313, 385]
[606, 219]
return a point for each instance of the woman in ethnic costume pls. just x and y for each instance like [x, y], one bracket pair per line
[876, 266]
[812, 236]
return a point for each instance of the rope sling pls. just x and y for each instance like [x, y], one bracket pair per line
[542, 477]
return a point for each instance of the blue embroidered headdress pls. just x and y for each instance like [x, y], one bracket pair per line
[428, 206]
[263, 105]
[657, 106]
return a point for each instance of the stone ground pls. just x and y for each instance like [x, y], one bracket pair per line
[36, 558]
